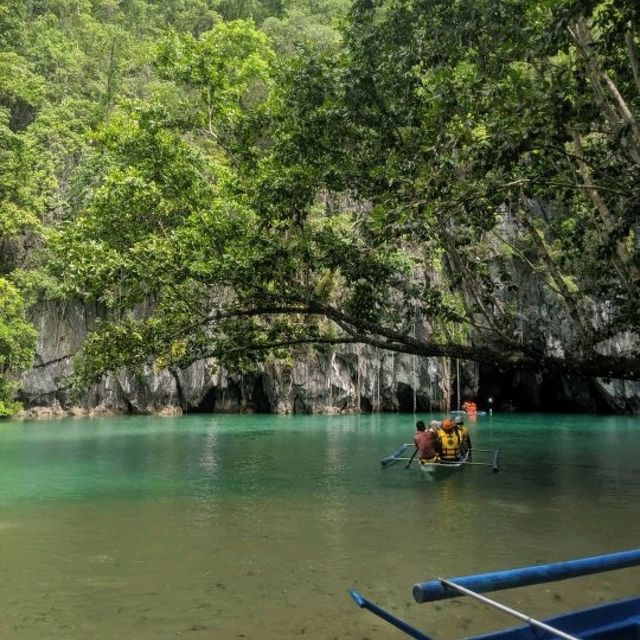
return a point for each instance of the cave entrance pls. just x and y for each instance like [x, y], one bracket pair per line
[537, 392]
[404, 394]
[408, 400]
[259, 398]
[207, 404]
[248, 397]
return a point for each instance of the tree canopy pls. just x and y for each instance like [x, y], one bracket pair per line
[17, 339]
[237, 180]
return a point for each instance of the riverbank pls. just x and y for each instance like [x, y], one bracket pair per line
[57, 412]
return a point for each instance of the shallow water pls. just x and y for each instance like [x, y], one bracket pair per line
[257, 526]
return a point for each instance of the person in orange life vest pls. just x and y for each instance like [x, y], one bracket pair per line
[425, 441]
[470, 407]
[466, 438]
[453, 441]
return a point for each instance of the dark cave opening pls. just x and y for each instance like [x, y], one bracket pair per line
[207, 404]
[259, 399]
[410, 400]
[537, 392]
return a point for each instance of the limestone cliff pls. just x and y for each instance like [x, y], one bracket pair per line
[348, 379]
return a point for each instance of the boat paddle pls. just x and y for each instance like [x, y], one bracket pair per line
[411, 458]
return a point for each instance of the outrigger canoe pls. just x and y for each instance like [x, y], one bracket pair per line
[442, 467]
[615, 620]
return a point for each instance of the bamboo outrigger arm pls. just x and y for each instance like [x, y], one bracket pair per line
[538, 574]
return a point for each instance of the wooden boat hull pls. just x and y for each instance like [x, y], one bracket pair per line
[443, 468]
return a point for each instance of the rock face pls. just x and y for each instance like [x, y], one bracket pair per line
[346, 380]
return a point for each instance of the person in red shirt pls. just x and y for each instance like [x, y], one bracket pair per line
[425, 441]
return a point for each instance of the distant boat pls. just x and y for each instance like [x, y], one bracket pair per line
[615, 620]
[458, 412]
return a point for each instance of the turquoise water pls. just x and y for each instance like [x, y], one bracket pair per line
[257, 526]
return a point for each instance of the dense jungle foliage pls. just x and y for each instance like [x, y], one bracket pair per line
[243, 178]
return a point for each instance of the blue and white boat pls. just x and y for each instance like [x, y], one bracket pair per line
[462, 412]
[616, 620]
[442, 467]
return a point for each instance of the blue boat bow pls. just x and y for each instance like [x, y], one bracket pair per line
[617, 620]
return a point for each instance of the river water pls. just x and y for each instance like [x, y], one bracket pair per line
[225, 527]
